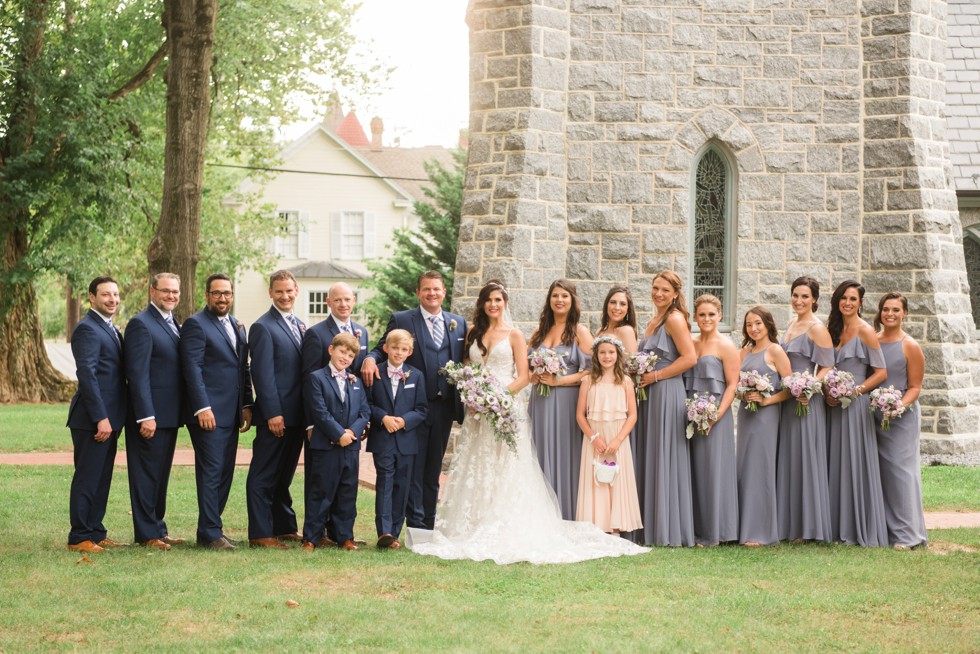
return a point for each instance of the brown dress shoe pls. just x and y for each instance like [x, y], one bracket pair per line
[220, 544]
[173, 541]
[349, 545]
[295, 537]
[385, 541]
[85, 546]
[326, 542]
[395, 545]
[108, 542]
[271, 543]
[307, 546]
[155, 542]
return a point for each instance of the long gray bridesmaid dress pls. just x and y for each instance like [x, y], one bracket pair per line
[857, 509]
[713, 480]
[758, 434]
[557, 437]
[661, 455]
[802, 494]
[898, 458]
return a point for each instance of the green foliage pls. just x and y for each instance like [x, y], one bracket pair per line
[430, 246]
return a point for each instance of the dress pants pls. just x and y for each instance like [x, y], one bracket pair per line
[433, 438]
[149, 461]
[274, 460]
[214, 468]
[393, 481]
[331, 492]
[90, 485]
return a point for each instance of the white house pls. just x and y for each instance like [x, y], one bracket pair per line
[340, 198]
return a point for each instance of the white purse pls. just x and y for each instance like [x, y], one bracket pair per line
[605, 471]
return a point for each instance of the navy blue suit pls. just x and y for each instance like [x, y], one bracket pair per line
[97, 348]
[319, 336]
[156, 389]
[444, 405]
[276, 369]
[217, 375]
[394, 453]
[331, 489]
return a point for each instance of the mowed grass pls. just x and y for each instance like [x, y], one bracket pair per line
[809, 597]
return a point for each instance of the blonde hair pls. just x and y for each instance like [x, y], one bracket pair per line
[399, 336]
[348, 342]
[619, 368]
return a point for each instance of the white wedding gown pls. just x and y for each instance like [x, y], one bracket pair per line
[497, 504]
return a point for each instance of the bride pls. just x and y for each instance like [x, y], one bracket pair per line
[496, 504]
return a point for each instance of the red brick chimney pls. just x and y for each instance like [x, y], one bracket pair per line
[377, 129]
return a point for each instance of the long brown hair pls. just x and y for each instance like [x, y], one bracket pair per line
[891, 295]
[619, 368]
[835, 321]
[677, 304]
[767, 320]
[480, 320]
[629, 319]
[547, 320]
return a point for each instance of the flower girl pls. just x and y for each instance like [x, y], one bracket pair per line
[607, 414]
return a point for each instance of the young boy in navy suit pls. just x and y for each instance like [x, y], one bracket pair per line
[398, 406]
[338, 408]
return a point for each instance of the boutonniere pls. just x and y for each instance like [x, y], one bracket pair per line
[405, 374]
[302, 329]
[239, 324]
[351, 378]
[452, 325]
[357, 333]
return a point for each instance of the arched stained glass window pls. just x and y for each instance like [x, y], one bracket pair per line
[713, 228]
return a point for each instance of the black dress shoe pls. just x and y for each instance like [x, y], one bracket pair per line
[221, 543]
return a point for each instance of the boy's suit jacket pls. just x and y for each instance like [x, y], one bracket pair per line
[409, 404]
[330, 415]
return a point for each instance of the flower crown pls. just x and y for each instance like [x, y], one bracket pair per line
[608, 339]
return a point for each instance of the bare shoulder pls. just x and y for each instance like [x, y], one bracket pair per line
[818, 334]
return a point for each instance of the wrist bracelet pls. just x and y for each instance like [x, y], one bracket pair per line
[593, 437]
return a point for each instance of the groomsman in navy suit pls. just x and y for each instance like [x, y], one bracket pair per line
[156, 391]
[214, 358]
[341, 300]
[398, 407]
[96, 416]
[439, 337]
[275, 342]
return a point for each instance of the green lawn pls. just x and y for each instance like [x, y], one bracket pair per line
[813, 598]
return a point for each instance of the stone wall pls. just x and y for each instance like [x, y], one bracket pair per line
[588, 118]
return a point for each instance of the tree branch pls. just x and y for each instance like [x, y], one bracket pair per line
[140, 78]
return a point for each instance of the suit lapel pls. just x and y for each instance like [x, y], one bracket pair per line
[109, 329]
[216, 324]
[157, 319]
[386, 382]
[279, 320]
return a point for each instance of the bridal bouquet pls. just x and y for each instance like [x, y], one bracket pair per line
[752, 381]
[702, 410]
[803, 384]
[888, 400]
[487, 396]
[637, 365]
[546, 361]
[840, 385]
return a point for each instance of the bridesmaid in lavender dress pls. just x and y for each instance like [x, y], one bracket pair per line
[857, 509]
[803, 498]
[557, 437]
[898, 447]
[619, 318]
[714, 483]
[661, 451]
[758, 431]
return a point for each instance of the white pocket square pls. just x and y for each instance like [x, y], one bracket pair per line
[459, 339]
[409, 385]
[364, 347]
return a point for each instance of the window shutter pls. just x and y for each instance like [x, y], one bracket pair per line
[303, 236]
[336, 234]
[368, 235]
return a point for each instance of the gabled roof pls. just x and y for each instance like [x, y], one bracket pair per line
[963, 91]
[407, 164]
[324, 270]
[351, 131]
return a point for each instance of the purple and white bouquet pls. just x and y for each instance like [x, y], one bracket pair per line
[702, 410]
[637, 365]
[487, 396]
[546, 361]
[888, 400]
[803, 385]
[750, 381]
[840, 385]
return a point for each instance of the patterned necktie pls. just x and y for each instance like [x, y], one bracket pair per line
[345, 328]
[115, 332]
[437, 330]
[229, 332]
[395, 375]
[294, 328]
[172, 325]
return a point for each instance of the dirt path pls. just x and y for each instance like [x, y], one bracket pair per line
[185, 457]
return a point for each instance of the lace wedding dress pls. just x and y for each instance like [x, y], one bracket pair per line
[497, 504]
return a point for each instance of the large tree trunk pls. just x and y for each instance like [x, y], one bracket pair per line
[174, 248]
[26, 373]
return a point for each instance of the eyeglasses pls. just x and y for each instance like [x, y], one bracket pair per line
[220, 294]
[167, 291]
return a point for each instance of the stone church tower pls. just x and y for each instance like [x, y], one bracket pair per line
[741, 143]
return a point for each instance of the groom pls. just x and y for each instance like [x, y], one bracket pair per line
[439, 337]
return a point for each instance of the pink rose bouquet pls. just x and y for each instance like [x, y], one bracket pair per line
[702, 410]
[546, 361]
[888, 400]
[803, 385]
[487, 396]
[840, 385]
[750, 381]
[637, 365]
